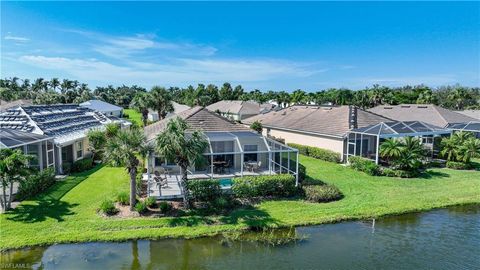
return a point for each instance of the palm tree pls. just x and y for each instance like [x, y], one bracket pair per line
[414, 146]
[55, 82]
[111, 130]
[96, 142]
[161, 101]
[174, 144]
[141, 102]
[449, 148]
[469, 149]
[13, 168]
[123, 150]
[391, 149]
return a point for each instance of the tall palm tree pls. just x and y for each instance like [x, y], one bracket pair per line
[449, 148]
[141, 102]
[174, 144]
[55, 82]
[13, 168]
[123, 150]
[161, 101]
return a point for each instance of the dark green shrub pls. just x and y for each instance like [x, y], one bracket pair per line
[204, 190]
[257, 126]
[322, 193]
[123, 198]
[302, 149]
[302, 170]
[364, 165]
[82, 165]
[36, 183]
[141, 207]
[66, 167]
[165, 207]
[151, 202]
[318, 153]
[458, 165]
[281, 185]
[398, 173]
[436, 164]
[108, 208]
[389, 172]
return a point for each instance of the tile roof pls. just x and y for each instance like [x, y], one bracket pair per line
[198, 118]
[428, 113]
[235, 107]
[322, 120]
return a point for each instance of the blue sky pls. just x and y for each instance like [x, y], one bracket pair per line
[264, 45]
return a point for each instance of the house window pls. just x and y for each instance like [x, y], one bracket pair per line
[251, 156]
[32, 149]
[79, 146]
[427, 140]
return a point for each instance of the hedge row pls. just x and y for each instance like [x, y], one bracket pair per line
[204, 190]
[364, 165]
[322, 193]
[458, 165]
[82, 165]
[281, 185]
[318, 153]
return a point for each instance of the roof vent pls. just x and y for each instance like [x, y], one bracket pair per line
[422, 107]
[405, 106]
[388, 108]
[284, 113]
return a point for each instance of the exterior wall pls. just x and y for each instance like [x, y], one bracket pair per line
[152, 117]
[117, 113]
[330, 143]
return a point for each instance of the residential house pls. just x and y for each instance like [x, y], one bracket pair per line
[66, 124]
[236, 110]
[328, 127]
[103, 107]
[234, 151]
[177, 108]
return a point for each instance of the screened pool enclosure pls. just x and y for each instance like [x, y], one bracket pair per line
[366, 141]
[228, 155]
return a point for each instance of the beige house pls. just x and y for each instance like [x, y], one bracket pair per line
[236, 110]
[319, 126]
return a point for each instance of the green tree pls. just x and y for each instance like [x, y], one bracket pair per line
[96, 142]
[469, 149]
[226, 92]
[174, 144]
[141, 102]
[123, 150]
[161, 101]
[391, 149]
[257, 126]
[13, 168]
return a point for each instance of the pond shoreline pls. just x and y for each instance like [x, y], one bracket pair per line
[244, 230]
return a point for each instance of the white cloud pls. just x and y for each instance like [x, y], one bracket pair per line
[16, 38]
[180, 72]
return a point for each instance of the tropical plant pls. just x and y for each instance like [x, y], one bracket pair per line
[469, 149]
[13, 168]
[404, 154]
[391, 149]
[460, 147]
[174, 144]
[111, 130]
[161, 101]
[257, 126]
[123, 150]
[141, 102]
[96, 142]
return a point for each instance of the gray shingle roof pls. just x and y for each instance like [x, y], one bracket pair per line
[14, 138]
[323, 120]
[101, 106]
[430, 114]
[235, 107]
[198, 118]
[5, 105]
[471, 113]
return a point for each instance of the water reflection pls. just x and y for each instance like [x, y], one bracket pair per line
[442, 239]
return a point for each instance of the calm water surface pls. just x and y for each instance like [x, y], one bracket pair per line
[440, 239]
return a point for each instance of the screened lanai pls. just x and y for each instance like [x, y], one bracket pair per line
[472, 126]
[366, 141]
[228, 155]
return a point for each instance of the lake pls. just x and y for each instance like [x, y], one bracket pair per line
[441, 239]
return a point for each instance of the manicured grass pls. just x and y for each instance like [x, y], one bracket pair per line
[67, 212]
[134, 116]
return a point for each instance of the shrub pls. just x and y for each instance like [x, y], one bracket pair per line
[398, 173]
[165, 207]
[123, 198]
[302, 170]
[318, 153]
[36, 183]
[322, 193]
[282, 185]
[108, 208]
[66, 167]
[204, 190]
[151, 202]
[389, 172]
[257, 126]
[141, 207]
[364, 165]
[458, 165]
[82, 165]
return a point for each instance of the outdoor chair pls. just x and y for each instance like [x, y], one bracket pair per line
[227, 165]
[161, 181]
[256, 167]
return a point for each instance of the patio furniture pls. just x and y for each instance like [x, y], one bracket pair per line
[164, 170]
[227, 166]
[247, 166]
[256, 166]
[219, 166]
[161, 181]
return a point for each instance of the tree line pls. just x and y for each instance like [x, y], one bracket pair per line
[43, 91]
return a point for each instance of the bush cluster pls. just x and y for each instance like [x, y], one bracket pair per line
[141, 207]
[458, 165]
[151, 202]
[318, 153]
[322, 193]
[82, 165]
[165, 207]
[66, 167]
[36, 183]
[108, 208]
[282, 185]
[204, 190]
[364, 165]
[398, 173]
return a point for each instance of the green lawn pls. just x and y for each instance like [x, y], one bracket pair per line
[134, 116]
[67, 212]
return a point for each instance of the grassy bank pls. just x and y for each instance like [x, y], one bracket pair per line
[134, 116]
[67, 212]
